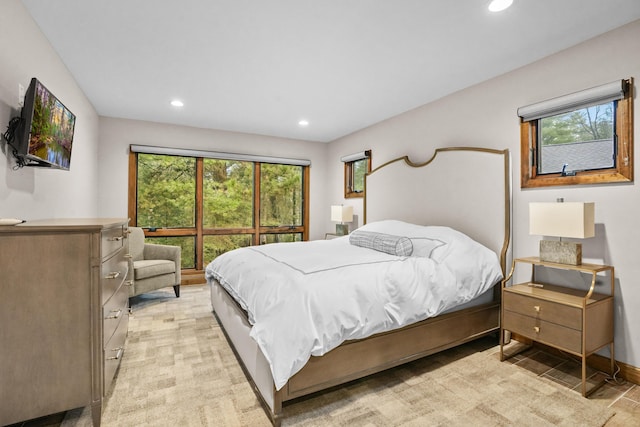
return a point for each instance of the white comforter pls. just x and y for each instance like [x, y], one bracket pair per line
[306, 298]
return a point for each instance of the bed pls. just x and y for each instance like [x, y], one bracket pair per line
[463, 195]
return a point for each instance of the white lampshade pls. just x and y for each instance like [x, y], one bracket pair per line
[564, 219]
[342, 213]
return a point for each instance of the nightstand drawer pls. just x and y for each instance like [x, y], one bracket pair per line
[560, 314]
[544, 332]
[570, 318]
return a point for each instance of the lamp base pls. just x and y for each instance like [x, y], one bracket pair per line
[342, 229]
[561, 252]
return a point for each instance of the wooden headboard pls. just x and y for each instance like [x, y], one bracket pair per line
[468, 189]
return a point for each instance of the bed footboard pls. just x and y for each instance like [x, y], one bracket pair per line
[353, 359]
[360, 358]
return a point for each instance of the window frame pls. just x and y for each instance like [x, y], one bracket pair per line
[623, 140]
[196, 275]
[349, 169]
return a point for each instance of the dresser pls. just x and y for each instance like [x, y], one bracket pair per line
[63, 314]
[574, 320]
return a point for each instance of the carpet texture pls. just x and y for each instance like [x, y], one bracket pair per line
[178, 370]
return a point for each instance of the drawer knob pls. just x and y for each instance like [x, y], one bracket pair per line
[116, 238]
[118, 355]
[129, 283]
[536, 308]
[112, 275]
[537, 329]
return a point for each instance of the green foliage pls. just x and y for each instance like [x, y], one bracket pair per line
[280, 195]
[228, 194]
[359, 171]
[586, 124]
[166, 191]
[166, 198]
[281, 238]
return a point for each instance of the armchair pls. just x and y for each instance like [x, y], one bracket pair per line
[153, 266]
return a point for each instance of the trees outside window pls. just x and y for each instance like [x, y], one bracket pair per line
[209, 206]
[354, 172]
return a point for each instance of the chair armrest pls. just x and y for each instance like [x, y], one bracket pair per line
[173, 253]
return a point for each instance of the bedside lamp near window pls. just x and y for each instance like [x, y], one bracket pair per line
[574, 220]
[342, 214]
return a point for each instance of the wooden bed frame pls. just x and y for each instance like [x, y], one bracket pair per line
[468, 189]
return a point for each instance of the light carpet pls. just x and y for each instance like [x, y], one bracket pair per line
[178, 370]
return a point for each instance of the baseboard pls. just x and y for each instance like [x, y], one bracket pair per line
[601, 363]
[628, 372]
[192, 278]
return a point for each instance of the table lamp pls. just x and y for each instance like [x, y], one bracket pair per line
[342, 214]
[571, 219]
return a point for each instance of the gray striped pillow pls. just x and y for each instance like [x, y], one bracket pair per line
[387, 243]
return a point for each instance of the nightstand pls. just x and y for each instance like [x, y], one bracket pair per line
[329, 236]
[576, 321]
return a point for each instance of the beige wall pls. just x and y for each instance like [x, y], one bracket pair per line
[117, 134]
[96, 184]
[482, 115]
[485, 115]
[31, 193]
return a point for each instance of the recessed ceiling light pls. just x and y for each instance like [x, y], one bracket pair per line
[303, 122]
[177, 103]
[499, 5]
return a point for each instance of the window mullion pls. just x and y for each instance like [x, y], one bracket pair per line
[199, 213]
[256, 203]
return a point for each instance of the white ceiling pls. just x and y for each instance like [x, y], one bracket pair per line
[260, 66]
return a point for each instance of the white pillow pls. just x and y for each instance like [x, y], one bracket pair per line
[387, 243]
[421, 236]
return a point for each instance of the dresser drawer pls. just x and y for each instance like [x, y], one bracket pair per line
[560, 314]
[112, 239]
[113, 273]
[113, 312]
[544, 332]
[113, 352]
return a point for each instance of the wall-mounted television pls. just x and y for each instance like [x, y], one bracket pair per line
[44, 136]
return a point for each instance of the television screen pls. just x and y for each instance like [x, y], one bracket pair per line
[48, 129]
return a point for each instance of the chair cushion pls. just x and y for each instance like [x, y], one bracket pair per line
[152, 267]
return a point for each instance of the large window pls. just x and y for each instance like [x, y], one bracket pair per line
[581, 138]
[209, 206]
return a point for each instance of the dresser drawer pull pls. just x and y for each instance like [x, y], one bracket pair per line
[536, 308]
[112, 275]
[128, 256]
[116, 238]
[118, 355]
[114, 314]
[537, 329]
[129, 283]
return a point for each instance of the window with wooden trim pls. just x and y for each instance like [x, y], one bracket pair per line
[356, 166]
[209, 206]
[581, 138]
